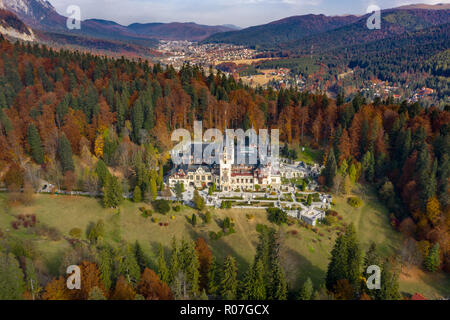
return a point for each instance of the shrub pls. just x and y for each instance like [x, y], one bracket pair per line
[162, 206]
[208, 217]
[215, 235]
[49, 232]
[75, 233]
[147, 213]
[155, 220]
[330, 220]
[166, 224]
[355, 202]
[277, 216]
[332, 213]
[177, 208]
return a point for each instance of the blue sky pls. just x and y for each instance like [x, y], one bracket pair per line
[243, 13]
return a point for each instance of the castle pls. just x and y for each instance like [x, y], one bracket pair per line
[229, 174]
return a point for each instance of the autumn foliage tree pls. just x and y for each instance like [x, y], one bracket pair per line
[152, 288]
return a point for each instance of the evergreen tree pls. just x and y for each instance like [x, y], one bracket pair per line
[337, 266]
[163, 271]
[128, 265]
[306, 291]
[112, 193]
[174, 262]
[137, 194]
[389, 284]
[32, 283]
[433, 260]
[189, 265]
[65, 154]
[213, 275]
[229, 282]
[11, 278]
[330, 169]
[153, 189]
[106, 266]
[278, 286]
[371, 258]
[102, 171]
[140, 256]
[34, 140]
[353, 257]
[253, 286]
[345, 261]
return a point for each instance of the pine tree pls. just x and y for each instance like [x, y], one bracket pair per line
[229, 282]
[353, 257]
[337, 267]
[389, 284]
[34, 140]
[174, 262]
[106, 266]
[278, 286]
[189, 265]
[32, 283]
[330, 169]
[113, 195]
[213, 281]
[153, 189]
[306, 291]
[102, 171]
[127, 265]
[11, 278]
[371, 258]
[163, 271]
[433, 260]
[65, 154]
[254, 287]
[140, 256]
[137, 194]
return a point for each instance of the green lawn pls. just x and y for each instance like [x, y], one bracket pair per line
[305, 254]
[309, 155]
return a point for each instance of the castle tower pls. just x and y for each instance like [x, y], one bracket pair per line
[226, 161]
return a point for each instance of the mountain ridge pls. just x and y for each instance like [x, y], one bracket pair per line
[40, 14]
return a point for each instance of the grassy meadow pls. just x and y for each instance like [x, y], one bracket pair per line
[304, 253]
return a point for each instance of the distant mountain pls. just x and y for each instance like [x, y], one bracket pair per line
[394, 22]
[12, 26]
[285, 30]
[439, 6]
[40, 14]
[35, 13]
[176, 30]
